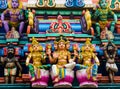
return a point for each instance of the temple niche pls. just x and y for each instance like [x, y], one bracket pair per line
[59, 44]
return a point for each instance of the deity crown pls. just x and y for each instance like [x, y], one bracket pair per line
[88, 41]
[34, 41]
[61, 39]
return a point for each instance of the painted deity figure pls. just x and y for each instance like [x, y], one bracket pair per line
[10, 65]
[15, 13]
[12, 34]
[106, 34]
[62, 68]
[87, 72]
[39, 74]
[110, 51]
[102, 14]
[60, 26]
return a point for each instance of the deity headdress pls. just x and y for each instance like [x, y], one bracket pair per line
[10, 5]
[61, 38]
[67, 41]
[35, 42]
[10, 45]
[87, 43]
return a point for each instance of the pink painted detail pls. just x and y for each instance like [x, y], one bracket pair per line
[83, 80]
[42, 81]
[88, 83]
[39, 83]
[67, 80]
[63, 83]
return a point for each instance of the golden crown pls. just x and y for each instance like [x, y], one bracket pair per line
[34, 41]
[61, 39]
[88, 41]
[67, 42]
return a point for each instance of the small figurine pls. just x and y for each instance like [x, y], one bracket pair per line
[62, 71]
[110, 51]
[39, 74]
[10, 62]
[15, 13]
[30, 20]
[60, 26]
[87, 72]
[12, 34]
[101, 14]
[106, 34]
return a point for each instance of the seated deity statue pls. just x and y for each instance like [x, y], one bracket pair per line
[15, 16]
[87, 71]
[39, 74]
[62, 69]
[101, 15]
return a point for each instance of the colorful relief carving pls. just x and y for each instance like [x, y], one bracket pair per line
[60, 26]
[31, 22]
[87, 72]
[110, 51]
[10, 65]
[3, 4]
[114, 4]
[46, 3]
[62, 69]
[102, 14]
[12, 34]
[86, 22]
[74, 3]
[39, 74]
[15, 15]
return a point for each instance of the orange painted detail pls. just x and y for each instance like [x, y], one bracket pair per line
[5, 51]
[95, 1]
[16, 51]
[118, 28]
[28, 29]
[92, 32]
